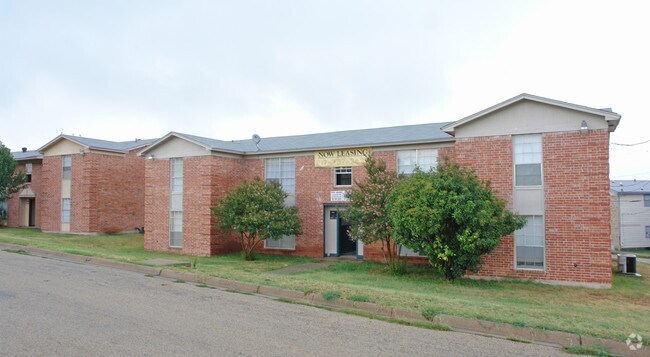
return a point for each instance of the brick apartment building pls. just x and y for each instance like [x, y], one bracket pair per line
[548, 159]
[84, 185]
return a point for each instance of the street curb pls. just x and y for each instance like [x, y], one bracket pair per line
[456, 323]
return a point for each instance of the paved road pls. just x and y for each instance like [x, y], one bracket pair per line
[56, 308]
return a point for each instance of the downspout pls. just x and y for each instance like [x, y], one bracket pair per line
[620, 223]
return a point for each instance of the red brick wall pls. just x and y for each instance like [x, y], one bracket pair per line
[156, 204]
[205, 180]
[50, 206]
[116, 187]
[576, 190]
[106, 193]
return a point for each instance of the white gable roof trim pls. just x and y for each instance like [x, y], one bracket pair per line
[611, 117]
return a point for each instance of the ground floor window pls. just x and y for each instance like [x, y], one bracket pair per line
[286, 242]
[529, 244]
[3, 209]
[176, 229]
[406, 251]
[647, 232]
[65, 210]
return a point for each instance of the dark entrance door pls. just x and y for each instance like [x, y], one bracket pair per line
[346, 245]
[32, 212]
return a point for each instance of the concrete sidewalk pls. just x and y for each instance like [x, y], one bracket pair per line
[460, 324]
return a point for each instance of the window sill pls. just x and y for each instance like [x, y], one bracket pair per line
[541, 270]
[282, 249]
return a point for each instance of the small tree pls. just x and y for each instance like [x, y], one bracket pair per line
[367, 212]
[450, 216]
[10, 180]
[255, 209]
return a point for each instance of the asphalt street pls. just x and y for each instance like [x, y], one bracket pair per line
[56, 308]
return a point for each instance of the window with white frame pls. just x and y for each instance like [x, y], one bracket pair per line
[646, 200]
[176, 175]
[424, 159]
[28, 172]
[286, 242]
[527, 157]
[343, 176]
[282, 169]
[176, 229]
[529, 244]
[65, 210]
[66, 166]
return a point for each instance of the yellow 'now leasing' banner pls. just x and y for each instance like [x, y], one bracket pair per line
[342, 157]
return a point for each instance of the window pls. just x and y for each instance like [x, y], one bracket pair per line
[286, 242]
[408, 160]
[343, 176]
[66, 165]
[406, 251]
[28, 172]
[529, 244]
[176, 175]
[176, 229]
[3, 209]
[527, 152]
[646, 200]
[65, 210]
[282, 169]
[647, 232]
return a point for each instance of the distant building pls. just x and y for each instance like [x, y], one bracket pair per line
[23, 208]
[630, 213]
[548, 159]
[80, 185]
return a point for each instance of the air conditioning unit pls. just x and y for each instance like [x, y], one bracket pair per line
[627, 264]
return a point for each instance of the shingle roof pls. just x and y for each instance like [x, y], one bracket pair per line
[26, 155]
[630, 186]
[339, 139]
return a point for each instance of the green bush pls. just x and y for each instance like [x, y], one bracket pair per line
[450, 216]
[331, 295]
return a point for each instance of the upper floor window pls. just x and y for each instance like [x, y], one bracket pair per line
[28, 172]
[527, 156]
[343, 176]
[176, 174]
[646, 200]
[282, 169]
[424, 159]
[66, 166]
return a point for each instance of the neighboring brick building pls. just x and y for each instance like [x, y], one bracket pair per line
[548, 159]
[23, 208]
[91, 186]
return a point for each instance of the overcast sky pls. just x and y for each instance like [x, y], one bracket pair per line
[120, 70]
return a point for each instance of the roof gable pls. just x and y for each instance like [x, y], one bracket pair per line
[610, 117]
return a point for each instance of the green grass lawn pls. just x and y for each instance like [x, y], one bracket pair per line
[645, 251]
[610, 313]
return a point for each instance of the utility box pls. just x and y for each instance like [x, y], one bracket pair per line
[627, 264]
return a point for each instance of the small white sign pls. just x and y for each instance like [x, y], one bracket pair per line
[339, 196]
